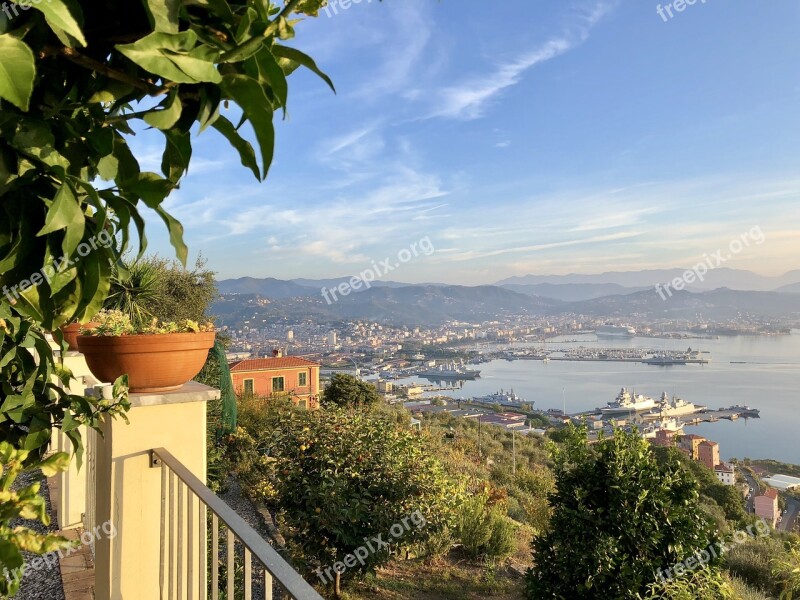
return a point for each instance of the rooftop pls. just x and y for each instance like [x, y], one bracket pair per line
[268, 364]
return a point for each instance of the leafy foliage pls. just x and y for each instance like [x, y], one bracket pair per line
[79, 78]
[156, 287]
[34, 391]
[787, 569]
[484, 530]
[343, 477]
[618, 517]
[346, 390]
[23, 503]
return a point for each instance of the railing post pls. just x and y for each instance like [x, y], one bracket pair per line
[68, 488]
[128, 563]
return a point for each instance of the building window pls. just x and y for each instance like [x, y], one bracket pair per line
[249, 387]
[277, 385]
[302, 403]
[302, 379]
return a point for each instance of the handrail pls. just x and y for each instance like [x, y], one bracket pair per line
[273, 562]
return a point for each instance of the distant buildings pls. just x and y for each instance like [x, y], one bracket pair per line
[290, 376]
[766, 506]
[700, 449]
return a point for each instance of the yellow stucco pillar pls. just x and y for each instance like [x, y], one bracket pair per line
[131, 563]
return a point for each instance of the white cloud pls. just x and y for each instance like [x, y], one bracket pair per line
[469, 99]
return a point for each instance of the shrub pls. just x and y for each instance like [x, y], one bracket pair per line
[702, 583]
[618, 517]
[752, 561]
[485, 530]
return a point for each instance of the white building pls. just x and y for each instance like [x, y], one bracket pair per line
[783, 482]
[289, 335]
[332, 338]
[725, 473]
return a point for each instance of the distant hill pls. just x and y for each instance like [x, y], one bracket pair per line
[269, 287]
[736, 279]
[792, 288]
[722, 303]
[409, 305]
[572, 292]
[294, 288]
[432, 305]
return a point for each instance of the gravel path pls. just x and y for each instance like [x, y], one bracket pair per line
[43, 583]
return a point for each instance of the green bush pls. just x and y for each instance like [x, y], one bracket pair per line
[752, 561]
[618, 518]
[485, 530]
[702, 583]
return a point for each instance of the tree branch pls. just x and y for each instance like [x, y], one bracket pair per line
[95, 65]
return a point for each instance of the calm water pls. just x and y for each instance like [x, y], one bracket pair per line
[770, 382]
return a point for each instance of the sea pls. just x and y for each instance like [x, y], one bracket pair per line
[762, 372]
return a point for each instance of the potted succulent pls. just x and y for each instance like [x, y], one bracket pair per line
[158, 357]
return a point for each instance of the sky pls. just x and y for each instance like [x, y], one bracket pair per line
[514, 137]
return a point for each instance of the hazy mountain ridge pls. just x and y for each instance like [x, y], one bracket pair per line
[737, 279]
[430, 305]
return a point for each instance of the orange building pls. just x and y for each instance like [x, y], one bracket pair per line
[691, 444]
[290, 376]
[708, 453]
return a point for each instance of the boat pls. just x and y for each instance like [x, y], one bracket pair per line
[662, 360]
[450, 370]
[670, 424]
[504, 398]
[627, 403]
[615, 331]
[676, 407]
[743, 410]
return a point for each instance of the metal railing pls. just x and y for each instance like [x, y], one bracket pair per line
[186, 552]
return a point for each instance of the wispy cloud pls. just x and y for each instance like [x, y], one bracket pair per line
[469, 99]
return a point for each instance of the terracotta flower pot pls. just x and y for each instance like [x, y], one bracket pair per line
[154, 363]
[72, 331]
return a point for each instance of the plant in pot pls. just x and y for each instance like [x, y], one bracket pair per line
[134, 288]
[157, 357]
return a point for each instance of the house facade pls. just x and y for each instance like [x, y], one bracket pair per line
[766, 506]
[725, 473]
[708, 453]
[297, 378]
[691, 445]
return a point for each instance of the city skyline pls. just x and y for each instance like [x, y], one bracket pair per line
[583, 138]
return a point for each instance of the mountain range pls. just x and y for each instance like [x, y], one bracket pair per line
[428, 304]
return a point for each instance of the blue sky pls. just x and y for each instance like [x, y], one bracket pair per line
[520, 136]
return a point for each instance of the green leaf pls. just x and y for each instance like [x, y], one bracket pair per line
[305, 60]
[169, 55]
[163, 14]
[270, 73]
[175, 234]
[177, 154]
[58, 16]
[246, 153]
[17, 71]
[107, 167]
[55, 464]
[250, 96]
[65, 213]
[168, 115]
[150, 187]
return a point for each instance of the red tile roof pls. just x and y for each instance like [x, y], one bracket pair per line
[269, 364]
[709, 443]
[771, 493]
[722, 467]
